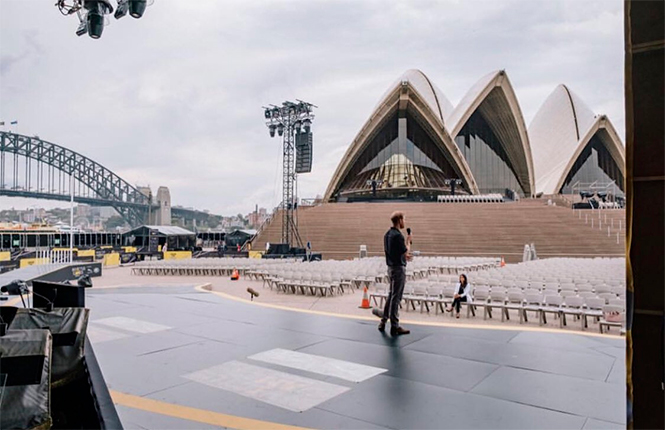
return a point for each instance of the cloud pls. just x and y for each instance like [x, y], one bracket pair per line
[175, 98]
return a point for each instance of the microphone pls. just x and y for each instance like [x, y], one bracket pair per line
[408, 230]
[252, 293]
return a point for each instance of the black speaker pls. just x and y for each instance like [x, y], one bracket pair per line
[298, 251]
[61, 295]
[278, 248]
[304, 149]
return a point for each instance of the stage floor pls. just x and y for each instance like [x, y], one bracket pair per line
[176, 357]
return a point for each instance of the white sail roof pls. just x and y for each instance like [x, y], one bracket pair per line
[555, 134]
[433, 96]
[494, 97]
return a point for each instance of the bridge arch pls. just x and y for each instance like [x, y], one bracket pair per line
[108, 188]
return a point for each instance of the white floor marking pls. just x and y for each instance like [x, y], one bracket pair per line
[284, 390]
[131, 324]
[346, 370]
[99, 335]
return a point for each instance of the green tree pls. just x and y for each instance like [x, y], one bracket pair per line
[213, 221]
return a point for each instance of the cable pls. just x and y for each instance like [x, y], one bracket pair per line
[50, 302]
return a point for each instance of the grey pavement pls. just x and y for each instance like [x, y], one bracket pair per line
[202, 351]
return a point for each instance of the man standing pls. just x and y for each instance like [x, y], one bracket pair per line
[397, 253]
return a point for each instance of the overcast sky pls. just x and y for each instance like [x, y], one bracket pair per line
[175, 98]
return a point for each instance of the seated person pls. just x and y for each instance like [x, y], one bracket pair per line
[462, 294]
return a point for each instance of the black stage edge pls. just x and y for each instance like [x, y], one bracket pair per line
[86, 402]
[71, 272]
[645, 218]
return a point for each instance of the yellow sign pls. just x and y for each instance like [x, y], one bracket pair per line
[112, 259]
[86, 253]
[177, 255]
[5, 256]
[25, 262]
[255, 254]
[129, 249]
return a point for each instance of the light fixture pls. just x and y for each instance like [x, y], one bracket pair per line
[272, 128]
[91, 13]
[307, 124]
[136, 8]
[95, 17]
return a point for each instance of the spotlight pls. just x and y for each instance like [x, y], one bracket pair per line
[137, 7]
[267, 113]
[280, 129]
[307, 125]
[272, 128]
[296, 126]
[95, 18]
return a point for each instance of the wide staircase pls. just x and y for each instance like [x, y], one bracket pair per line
[473, 229]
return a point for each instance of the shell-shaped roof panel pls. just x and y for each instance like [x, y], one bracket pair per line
[601, 126]
[472, 96]
[554, 133]
[493, 96]
[433, 96]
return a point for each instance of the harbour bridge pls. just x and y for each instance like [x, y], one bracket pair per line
[34, 168]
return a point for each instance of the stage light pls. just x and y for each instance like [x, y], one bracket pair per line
[137, 7]
[267, 113]
[307, 125]
[95, 17]
[272, 128]
[297, 126]
[280, 129]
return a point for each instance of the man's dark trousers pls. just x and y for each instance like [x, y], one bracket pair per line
[397, 276]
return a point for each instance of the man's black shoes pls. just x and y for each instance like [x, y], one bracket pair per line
[382, 326]
[399, 331]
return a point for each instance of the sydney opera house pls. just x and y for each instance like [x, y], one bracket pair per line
[417, 146]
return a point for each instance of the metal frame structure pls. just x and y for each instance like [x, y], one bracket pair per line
[106, 185]
[287, 120]
[49, 179]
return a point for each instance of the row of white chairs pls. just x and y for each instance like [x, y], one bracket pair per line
[541, 303]
[323, 284]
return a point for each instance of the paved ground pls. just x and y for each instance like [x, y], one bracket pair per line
[179, 357]
[347, 304]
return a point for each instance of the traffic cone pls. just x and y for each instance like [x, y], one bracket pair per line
[365, 303]
[235, 275]
[503, 262]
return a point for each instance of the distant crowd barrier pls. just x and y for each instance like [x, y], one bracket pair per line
[464, 198]
[177, 255]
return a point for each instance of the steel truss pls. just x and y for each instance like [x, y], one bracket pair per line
[107, 187]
